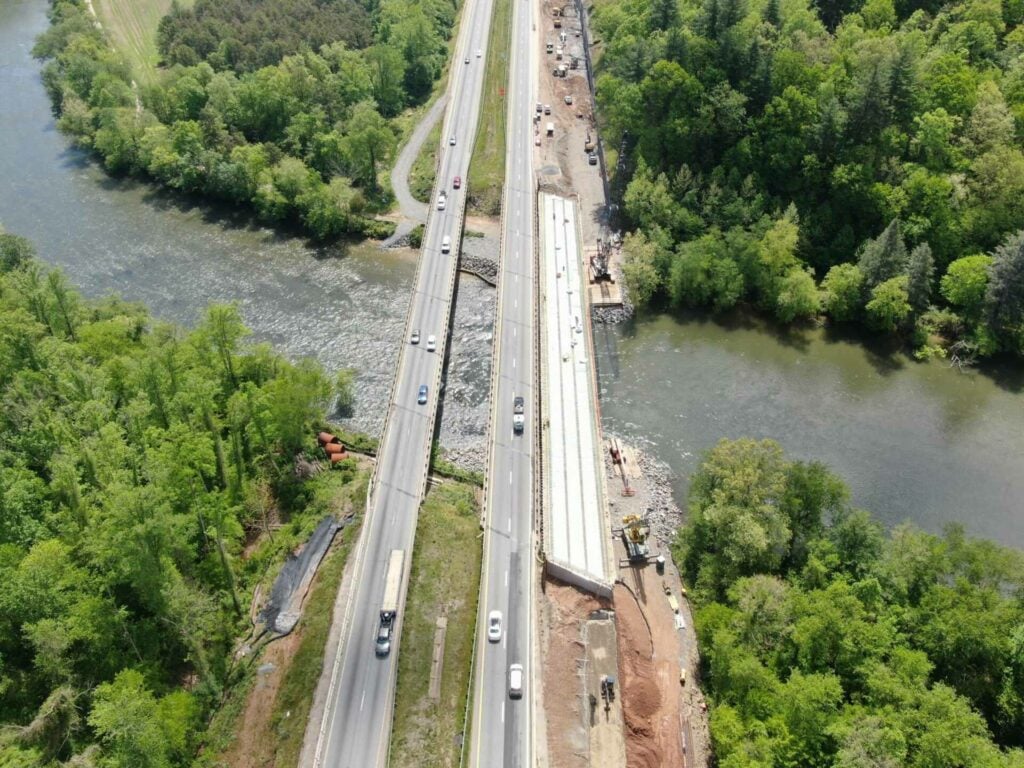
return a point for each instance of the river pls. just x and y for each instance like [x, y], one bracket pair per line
[344, 305]
[914, 441]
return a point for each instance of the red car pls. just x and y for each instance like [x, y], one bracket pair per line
[457, 182]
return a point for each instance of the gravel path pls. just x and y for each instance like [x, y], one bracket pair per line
[412, 209]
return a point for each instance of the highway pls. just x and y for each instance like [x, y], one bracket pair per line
[502, 728]
[356, 727]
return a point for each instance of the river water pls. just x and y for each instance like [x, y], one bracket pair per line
[914, 441]
[345, 305]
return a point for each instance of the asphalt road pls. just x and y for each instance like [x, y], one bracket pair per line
[502, 728]
[356, 729]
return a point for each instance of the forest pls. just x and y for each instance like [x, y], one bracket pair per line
[137, 459]
[286, 109]
[827, 642]
[858, 159]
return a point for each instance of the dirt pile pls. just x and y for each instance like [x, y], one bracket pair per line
[649, 680]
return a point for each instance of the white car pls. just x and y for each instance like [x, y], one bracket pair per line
[415, 336]
[494, 626]
[451, 141]
[467, 59]
[515, 681]
[431, 343]
[442, 201]
[478, 53]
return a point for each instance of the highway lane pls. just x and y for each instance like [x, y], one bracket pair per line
[502, 728]
[356, 727]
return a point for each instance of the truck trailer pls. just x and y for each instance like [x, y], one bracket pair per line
[389, 606]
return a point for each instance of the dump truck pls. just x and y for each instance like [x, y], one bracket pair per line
[389, 605]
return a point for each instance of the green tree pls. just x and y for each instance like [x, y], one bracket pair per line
[798, 296]
[125, 716]
[920, 273]
[889, 306]
[370, 142]
[736, 526]
[843, 292]
[1004, 296]
[640, 257]
[885, 257]
[965, 282]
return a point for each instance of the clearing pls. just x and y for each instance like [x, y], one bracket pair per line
[131, 27]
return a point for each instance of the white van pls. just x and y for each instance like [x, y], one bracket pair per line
[446, 244]
[515, 681]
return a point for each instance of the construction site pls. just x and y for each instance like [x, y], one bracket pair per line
[615, 630]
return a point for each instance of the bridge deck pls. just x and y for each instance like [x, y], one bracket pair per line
[575, 530]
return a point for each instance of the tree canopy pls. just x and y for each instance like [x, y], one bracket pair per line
[285, 107]
[827, 642]
[766, 136]
[136, 460]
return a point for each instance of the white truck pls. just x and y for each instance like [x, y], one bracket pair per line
[389, 606]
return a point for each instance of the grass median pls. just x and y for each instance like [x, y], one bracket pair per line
[444, 582]
[487, 168]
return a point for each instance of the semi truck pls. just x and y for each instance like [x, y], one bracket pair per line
[389, 606]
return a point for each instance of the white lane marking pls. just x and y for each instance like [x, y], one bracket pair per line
[510, 523]
[514, 332]
[503, 711]
[510, 477]
[506, 577]
[362, 699]
[513, 363]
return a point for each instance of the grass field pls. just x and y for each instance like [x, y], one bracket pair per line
[131, 27]
[487, 168]
[444, 582]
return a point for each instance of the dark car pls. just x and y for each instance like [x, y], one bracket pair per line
[518, 414]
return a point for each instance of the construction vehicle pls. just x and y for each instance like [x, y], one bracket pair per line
[588, 143]
[634, 535]
[389, 606]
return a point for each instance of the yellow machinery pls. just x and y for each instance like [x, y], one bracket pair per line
[634, 536]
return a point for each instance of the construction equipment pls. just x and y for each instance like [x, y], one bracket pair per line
[634, 535]
[588, 143]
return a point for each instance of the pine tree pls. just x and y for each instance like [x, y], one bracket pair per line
[920, 271]
[884, 257]
[772, 14]
[664, 14]
[1004, 299]
[902, 83]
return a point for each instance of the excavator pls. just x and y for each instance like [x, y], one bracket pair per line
[634, 535]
